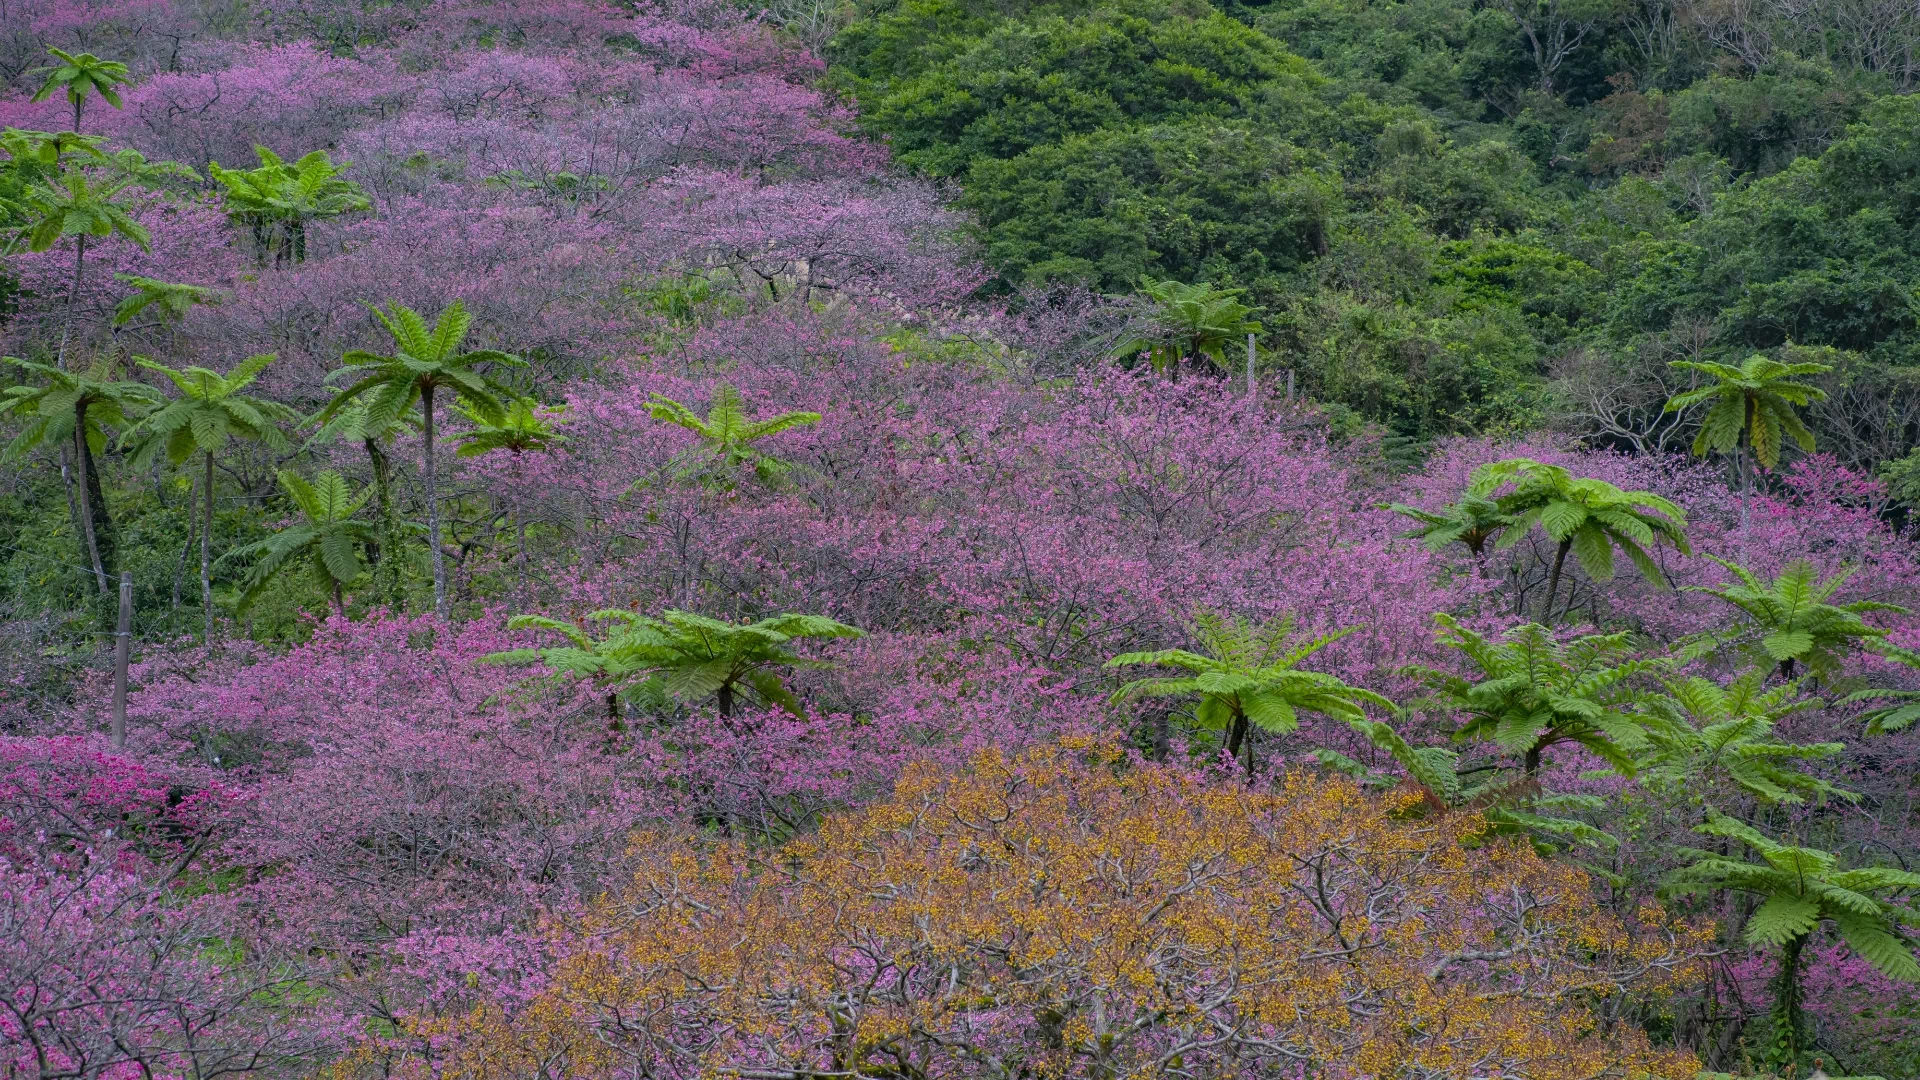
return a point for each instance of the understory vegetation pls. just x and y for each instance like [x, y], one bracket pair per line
[932, 539]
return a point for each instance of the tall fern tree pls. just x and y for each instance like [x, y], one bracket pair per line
[1189, 323]
[682, 655]
[1586, 517]
[1801, 890]
[1247, 676]
[1720, 741]
[83, 205]
[355, 422]
[277, 201]
[1534, 692]
[210, 411]
[1752, 412]
[728, 437]
[72, 411]
[425, 361]
[80, 76]
[1795, 624]
[326, 538]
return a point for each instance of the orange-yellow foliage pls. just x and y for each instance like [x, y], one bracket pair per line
[1054, 917]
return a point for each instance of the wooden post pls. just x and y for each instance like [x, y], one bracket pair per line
[1249, 365]
[122, 636]
[1289, 384]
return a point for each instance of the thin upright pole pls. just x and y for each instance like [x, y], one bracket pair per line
[1289, 384]
[1249, 365]
[122, 643]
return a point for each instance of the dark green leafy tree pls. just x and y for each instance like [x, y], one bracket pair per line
[1590, 518]
[1188, 201]
[683, 655]
[1721, 740]
[1791, 618]
[327, 540]
[1190, 324]
[1248, 676]
[72, 411]
[1752, 412]
[83, 75]
[727, 436]
[278, 200]
[425, 361]
[210, 411]
[1802, 889]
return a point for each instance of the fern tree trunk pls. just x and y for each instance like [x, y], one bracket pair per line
[387, 569]
[1553, 582]
[1237, 737]
[73, 293]
[1790, 1037]
[206, 552]
[86, 488]
[439, 557]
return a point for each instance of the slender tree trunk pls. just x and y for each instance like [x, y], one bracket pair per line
[339, 602]
[1745, 449]
[89, 534]
[387, 570]
[206, 554]
[1553, 582]
[433, 510]
[1237, 737]
[724, 697]
[520, 527]
[73, 293]
[73, 506]
[1532, 760]
[79, 103]
[1789, 1021]
[180, 566]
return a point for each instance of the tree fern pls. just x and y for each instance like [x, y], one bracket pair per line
[683, 655]
[727, 436]
[1248, 676]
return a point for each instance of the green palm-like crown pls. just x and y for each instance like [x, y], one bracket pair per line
[310, 187]
[210, 410]
[81, 74]
[76, 204]
[1249, 674]
[1756, 399]
[61, 399]
[727, 435]
[1472, 521]
[1723, 736]
[525, 426]
[1792, 616]
[424, 357]
[1591, 517]
[326, 537]
[1801, 888]
[685, 655]
[1535, 691]
[171, 300]
[1190, 321]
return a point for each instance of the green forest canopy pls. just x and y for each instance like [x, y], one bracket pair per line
[1454, 217]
